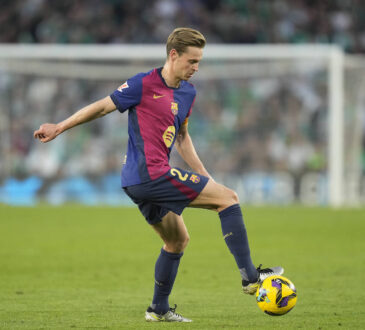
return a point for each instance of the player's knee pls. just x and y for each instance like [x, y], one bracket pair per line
[234, 197]
[229, 199]
[183, 242]
[178, 245]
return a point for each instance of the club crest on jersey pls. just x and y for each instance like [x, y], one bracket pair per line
[174, 108]
[194, 178]
[121, 87]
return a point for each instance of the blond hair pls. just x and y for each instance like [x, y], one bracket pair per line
[181, 38]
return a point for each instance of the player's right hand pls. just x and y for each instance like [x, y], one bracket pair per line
[46, 132]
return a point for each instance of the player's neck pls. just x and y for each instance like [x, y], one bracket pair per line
[170, 79]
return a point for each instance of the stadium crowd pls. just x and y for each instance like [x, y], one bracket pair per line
[248, 125]
[222, 21]
[276, 125]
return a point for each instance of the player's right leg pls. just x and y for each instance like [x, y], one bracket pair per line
[161, 202]
[174, 234]
[217, 197]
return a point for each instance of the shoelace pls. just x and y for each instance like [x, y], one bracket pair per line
[259, 271]
[264, 273]
[173, 310]
[265, 270]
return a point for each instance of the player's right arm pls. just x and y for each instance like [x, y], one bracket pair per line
[48, 132]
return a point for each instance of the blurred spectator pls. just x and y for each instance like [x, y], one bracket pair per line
[266, 123]
[229, 21]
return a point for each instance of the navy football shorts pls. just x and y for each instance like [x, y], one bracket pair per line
[173, 191]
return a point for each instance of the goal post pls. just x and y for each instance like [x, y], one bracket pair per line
[107, 62]
[335, 128]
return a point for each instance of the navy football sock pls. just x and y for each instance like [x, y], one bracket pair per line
[166, 268]
[235, 235]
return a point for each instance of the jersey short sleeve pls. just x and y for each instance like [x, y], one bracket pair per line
[128, 94]
[189, 113]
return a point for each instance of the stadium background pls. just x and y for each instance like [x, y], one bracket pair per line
[269, 135]
[75, 266]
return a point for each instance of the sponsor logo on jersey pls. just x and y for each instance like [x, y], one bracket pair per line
[194, 178]
[174, 108]
[155, 96]
[169, 135]
[121, 87]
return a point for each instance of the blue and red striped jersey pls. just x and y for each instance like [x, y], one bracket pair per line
[155, 115]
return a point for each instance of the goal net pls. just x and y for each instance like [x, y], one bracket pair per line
[278, 124]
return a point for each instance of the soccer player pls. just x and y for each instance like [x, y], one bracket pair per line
[159, 104]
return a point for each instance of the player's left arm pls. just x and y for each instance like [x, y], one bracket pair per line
[185, 147]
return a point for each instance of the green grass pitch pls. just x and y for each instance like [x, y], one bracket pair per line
[92, 267]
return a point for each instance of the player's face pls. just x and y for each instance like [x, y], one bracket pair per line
[186, 64]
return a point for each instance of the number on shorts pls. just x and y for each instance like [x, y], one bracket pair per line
[175, 172]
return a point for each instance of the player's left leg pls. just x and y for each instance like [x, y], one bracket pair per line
[174, 234]
[225, 201]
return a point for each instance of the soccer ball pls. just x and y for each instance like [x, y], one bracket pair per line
[276, 295]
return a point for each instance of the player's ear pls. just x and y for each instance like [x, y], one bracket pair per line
[173, 54]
